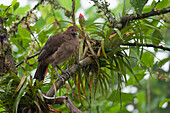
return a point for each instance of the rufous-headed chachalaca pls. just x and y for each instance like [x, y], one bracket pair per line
[56, 50]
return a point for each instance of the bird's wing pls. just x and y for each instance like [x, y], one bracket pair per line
[52, 45]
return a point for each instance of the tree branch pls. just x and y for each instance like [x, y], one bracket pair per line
[29, 29]
[29, 57]
[62, 100]
[64, 77]
[126, 18]
[73, 12]
[58, 23]
[155, 5]
[28, 13]
[60, 81]
[6, 59]
[147, 45]
[106, 12]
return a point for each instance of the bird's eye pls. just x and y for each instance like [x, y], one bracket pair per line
[72, 30]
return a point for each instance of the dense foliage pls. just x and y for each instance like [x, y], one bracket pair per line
[125, 74]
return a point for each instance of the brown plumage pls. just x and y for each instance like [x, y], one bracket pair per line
[57, 49]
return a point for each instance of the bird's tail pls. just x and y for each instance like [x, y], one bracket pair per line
[41, 72]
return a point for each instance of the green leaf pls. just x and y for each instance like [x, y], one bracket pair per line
[126, 97]
[151, 26]
[22, 10]
[50, 20]
[122, 67]
[24, 32]
[41, 95]
[139, 73]
[128, 66]
[158, 35]
[142, 104]
[90, 13]
[41, 22]
[16, 6]
[77, 5]
[14, 2]
[67, 3]
[2, 7]
[101, 84]
[162, 62]
[147, 59]
[163, 4]
[17, 100]
[43, 10]
[106, 40]
[138, 5]
[103, 49]
[126, 5]
[31, 61]
[9, 85]
[119, 33]
[165, 100]
[36, 103]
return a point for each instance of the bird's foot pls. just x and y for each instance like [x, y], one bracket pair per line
[64, 78]
[67, 72]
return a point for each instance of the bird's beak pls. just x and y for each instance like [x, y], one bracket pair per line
[76, 33]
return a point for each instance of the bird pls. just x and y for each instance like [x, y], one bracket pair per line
[56, 50]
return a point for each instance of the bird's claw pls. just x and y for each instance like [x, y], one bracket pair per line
[63, 78]
[67, 73]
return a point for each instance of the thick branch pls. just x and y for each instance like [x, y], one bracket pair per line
[61, 80]
[62, 100]
[147, 45]
[125, 19]
[144, 15]
[6, 59]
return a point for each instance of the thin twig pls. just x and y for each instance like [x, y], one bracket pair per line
[155, 5]
[56, 20]
[6, 9]
[28, 13]
[73, 12]
[29, 57]
[127, 18]
[149, 95]
[32, 35]
[119, 87]
[147, 45]
[106, 11]
[21, 45]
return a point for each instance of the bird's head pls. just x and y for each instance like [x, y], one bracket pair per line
[72, 30]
